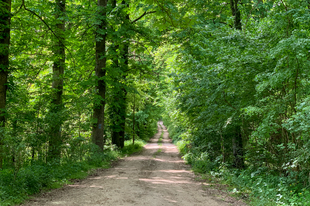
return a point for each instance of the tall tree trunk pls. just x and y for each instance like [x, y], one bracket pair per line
[119, 107]
[115, 112]
[237, 142]
[124, 100]
[99, 104]
[124, 92]
[5, 21]
[55, 142]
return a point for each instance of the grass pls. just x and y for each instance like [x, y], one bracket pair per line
[39, 176]
[257, 186]
[160, 140]
[132, 148]
[157, 153]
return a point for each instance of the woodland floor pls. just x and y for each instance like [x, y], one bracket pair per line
[156, 176]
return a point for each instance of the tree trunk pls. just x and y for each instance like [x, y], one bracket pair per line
[115, 112]
[119, 110]
[124, 92]
[115, 107]
[236, 13]
[238, 148]
[123, 118]
[99, 104]
[133, 118]
[119, 117]
[55, 142]
[222, 147]
[5, 21]
[237, 142]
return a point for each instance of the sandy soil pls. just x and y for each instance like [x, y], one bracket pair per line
[157, 176]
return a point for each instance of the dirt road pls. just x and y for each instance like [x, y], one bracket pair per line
[157, 176]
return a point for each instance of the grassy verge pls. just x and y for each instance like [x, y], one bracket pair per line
[15, 187]
[257, 186]
[132, 148]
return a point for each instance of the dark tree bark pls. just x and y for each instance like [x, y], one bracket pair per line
[124, 92]
[5, 21]
[119, 117]
[116, 117]
[55, 142]
[238, 148]
[123, 118]
[115, 111]
[237, 142]
[119, 99]
[236, 13]
[99, 104]
[118, 112]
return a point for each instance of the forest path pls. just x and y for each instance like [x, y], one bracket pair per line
[156, 176]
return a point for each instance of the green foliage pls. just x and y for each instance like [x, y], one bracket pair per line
[226, 95]
[251, 84]
[132, 148]
[267, 186]
[31, 116]
[32, 179]
[15, 187]
[182, 147]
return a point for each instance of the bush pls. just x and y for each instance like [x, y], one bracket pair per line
[132, 148]
[15, 186]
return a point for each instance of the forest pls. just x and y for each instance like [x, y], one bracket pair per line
[84, 82]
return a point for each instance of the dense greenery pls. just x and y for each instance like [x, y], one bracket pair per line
[248, 83]
[77, 86]
[30, 179]
[229, 78]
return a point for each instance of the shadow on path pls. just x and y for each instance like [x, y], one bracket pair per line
[157, 176]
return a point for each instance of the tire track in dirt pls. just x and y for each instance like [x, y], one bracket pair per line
[157, 176]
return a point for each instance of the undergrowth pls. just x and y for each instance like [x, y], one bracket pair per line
[16, 186]
[132, 148]
[261, 186]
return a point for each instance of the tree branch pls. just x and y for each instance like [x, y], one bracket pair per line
[49, 28]
[163, 8]
[21, 6]
[140, 17]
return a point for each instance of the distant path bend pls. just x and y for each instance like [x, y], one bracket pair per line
[157, 176]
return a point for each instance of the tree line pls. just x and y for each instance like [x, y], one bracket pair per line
[75, 73]
[237, 95]
[229, 78]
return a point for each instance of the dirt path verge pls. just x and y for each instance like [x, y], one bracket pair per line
[157, 176]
